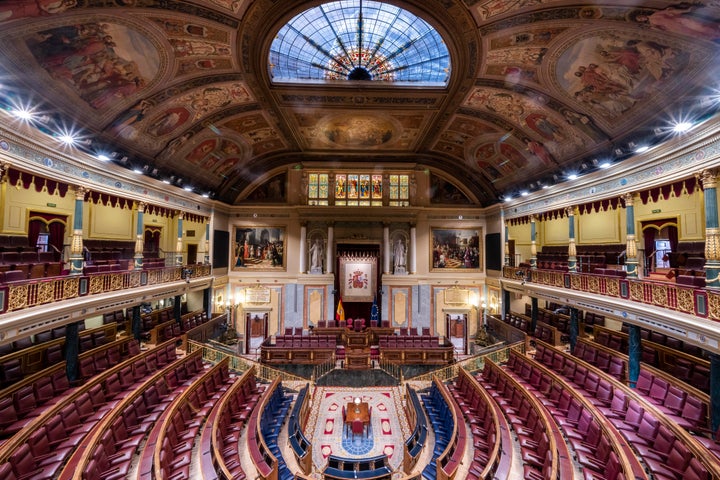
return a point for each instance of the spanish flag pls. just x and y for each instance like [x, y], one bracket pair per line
[340, 312]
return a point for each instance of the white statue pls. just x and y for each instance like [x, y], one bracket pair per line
[316, 255]
[399, 254]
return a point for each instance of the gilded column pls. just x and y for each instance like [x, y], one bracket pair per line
[572, 250]
[179, 243]
[507, 245]
[533, 246]
[139, 241]
[631, 260]
[712, 233]
[76, 245]
[207, 242]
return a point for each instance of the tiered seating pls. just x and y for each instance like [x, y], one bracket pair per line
[300, 444]
[110, 446]
[493, 446]
[418, 438]
[450, 432]
[219, 455]
[687, 406]
[62, 426]
[638, 416]
[25, 400]
[263, 429]
[341, 468]
[542, 445]
[168, 450]
[27, 265]
[598, 446]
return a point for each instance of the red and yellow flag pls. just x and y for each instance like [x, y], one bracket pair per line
[340, 312]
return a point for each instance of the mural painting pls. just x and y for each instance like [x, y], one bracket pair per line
[259, 248]
[457, 248]
[610, 73]
[104, 63]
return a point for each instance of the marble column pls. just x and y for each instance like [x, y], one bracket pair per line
[573, 328]
[572, 250]
[302, 264]
[712, 232]
[136, 322]
[631, 260]
[634, 351]
[715, 391]
[533, 245]
[533, 314]
[72, 351]
[386, 247]
[330, 249]
[76, 244]
[139, 240]
[412, 260]
[179, 243]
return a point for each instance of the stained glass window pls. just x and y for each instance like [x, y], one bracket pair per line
[399, 190]
[318, 189]
[359, 40]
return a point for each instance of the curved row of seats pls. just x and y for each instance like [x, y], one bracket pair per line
[685, 405]
[415, 443]
[493, 446]
[299, 443]
[263, 430]
[450, 432]
[62, 426]
[597, 445]
[543, 450]
[666, 353]
[109, 449]
[28, 356]
[373, 468]
[640, 420]
[26, 399]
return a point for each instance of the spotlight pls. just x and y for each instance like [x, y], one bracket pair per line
[606, 164]
[524, 193]
[102, 157]
[66, 139]
[682, 127]
[23, 114]
[642, 148]
[572, 176]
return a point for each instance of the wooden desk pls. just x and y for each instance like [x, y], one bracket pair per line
[362, 413]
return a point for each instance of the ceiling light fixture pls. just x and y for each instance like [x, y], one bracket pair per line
[682, 127]
[102, 157]
[572, 176]
[606, 164]
[524, 193]
[642, 148]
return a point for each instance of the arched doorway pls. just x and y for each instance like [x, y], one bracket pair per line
[151, 244]
[660, 240]
[46, 232]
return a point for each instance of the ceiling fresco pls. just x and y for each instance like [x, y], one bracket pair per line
[183, 89]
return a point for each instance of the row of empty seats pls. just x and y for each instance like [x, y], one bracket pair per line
[450, 431]
[640, 423]
[305, 341]
[542, 447]
[30, 271]
[408, 341]
[373, 468]
[493, 446]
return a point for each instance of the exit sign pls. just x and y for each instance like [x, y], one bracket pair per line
[51, 205]
[657, 210]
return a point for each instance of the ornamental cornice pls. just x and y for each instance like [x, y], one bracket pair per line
[78, 168]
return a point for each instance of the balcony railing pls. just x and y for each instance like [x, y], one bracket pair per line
[701, 302]
[31, 293]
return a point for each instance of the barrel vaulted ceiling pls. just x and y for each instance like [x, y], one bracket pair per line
[184, 89]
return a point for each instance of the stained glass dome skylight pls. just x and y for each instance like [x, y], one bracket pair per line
[356, 40]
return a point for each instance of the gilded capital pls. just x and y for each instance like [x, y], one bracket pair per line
[533, 218]
[570, 211]
[80, 193]
[141, 207]
[4, 166]
[708, 179]
[628, 199]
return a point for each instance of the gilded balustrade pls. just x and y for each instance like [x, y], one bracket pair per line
[32, 293]
[703, 302]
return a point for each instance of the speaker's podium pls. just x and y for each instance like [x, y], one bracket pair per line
[357, 350]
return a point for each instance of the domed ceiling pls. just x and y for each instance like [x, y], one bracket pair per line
[186, 90]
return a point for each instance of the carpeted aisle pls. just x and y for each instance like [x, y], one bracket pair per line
[388, 425]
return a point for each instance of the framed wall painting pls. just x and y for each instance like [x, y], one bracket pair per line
[357, 280]
[455, 249]
[258, 248]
